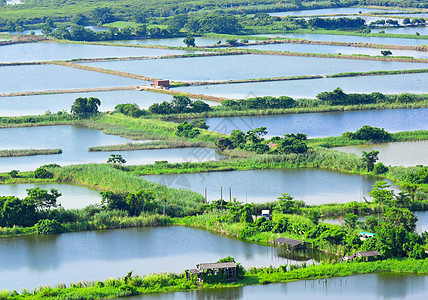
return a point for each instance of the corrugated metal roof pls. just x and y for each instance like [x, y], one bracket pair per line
[222, 265]
[367, 253]
[290, 242]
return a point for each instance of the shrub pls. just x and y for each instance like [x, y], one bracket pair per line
[48, 227]
[42, 173]
[380, 168]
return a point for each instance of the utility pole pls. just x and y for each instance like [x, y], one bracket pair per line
[230, 194]
[206, 195]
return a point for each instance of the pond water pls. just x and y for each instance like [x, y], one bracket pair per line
[388, 84]
[328, 11]
[173, 42]
[314, 186]
[39, 31]
[51, 77]
[326, 124]
[30, 261]
[335, 50]
[73, 196]
[404, 30]
[248, 66]
[75, 141]
[369, 287]
[414, 15]
[39, 104]
[368, 19]
[421, 224]
[352, 39]
[395, 154]
[47, 51]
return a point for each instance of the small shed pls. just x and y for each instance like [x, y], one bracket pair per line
[226, 268]
[161, 83]
[288, 242]
[366, 254]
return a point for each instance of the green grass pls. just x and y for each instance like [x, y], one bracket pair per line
[106, 177]
[339, 141]
[356, 33]
[28, 152]
[166, 144]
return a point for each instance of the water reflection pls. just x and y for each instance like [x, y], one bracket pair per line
[51, 77]
[64, 51]
[75, 141]
[232, 67]
[351, 39]
[368, 287]
[72, 196]
[29, 261]
[396, 154]
[39, 104]
[388, 84]
[314, 186]
[326, 124]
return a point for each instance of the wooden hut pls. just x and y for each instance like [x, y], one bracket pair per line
[226, 268]
[288, 242]
[366, 255]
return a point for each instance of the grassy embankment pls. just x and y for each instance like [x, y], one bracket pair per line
[117, 124]
[356, 33]
[28, 152]
[339, 141]
[167, 283]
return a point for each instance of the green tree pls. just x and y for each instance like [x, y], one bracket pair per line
[189, 41]
[102, 15]
[380, 168]
[370, 159]
[180, 103]
[386, 52]
[42, 173]
[286, 204]
[139, 201]
[14, 211]
[380, 193]
[114, 201]
[42, 199]
[199, 106]
[84, 106]
[116, 159]
[350, 220]
[14, 173]
[401, 217]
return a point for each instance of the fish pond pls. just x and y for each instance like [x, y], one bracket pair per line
[404, 30]
[351, 39]
[421, 224]
[314, 186]
[47, 51]
[39, 104]
[330, 11]
[172, 42]
[51, 77]
[230, 67]
[72, 196]
[75, 141]
[31, 261]
[395, 154]
[327, 49]
[326, 124]
[388, 84]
